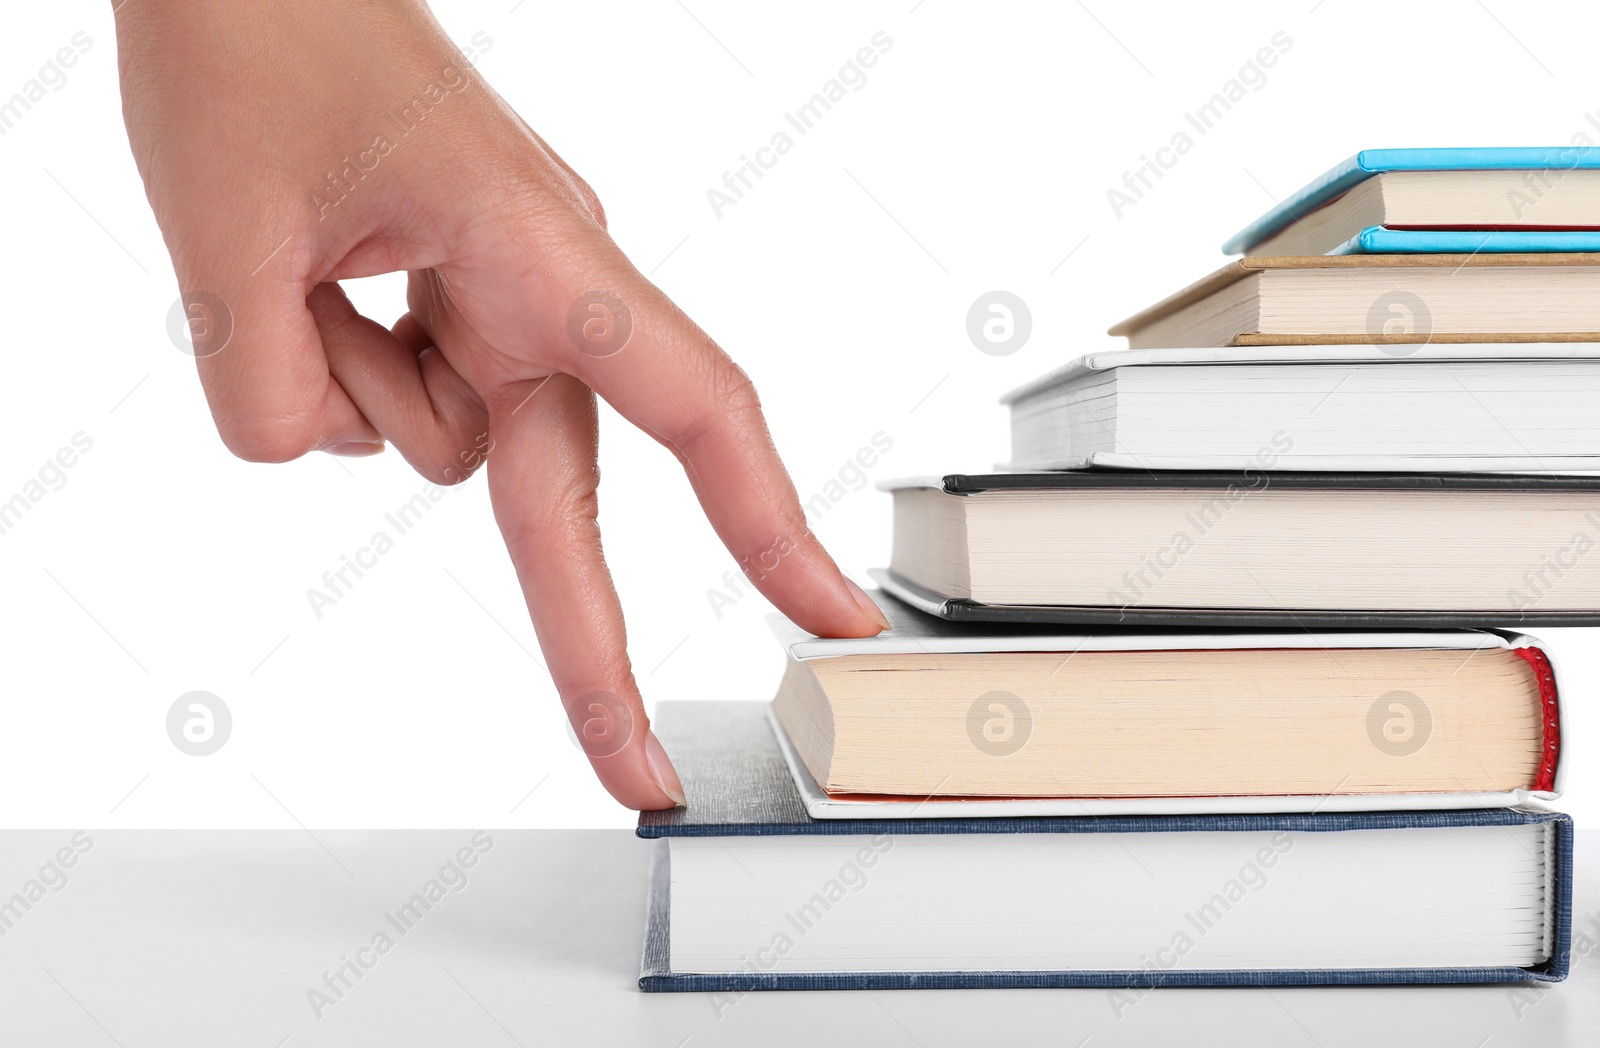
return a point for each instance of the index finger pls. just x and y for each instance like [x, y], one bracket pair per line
[666, 376]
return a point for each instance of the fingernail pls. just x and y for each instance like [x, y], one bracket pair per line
[662, 770]
[356, 448]
[869, 608]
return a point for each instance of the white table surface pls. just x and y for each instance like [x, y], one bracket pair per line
[213, 938]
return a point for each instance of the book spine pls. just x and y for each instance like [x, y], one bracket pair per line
[1550, 716]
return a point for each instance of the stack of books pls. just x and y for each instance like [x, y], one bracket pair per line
[1220, 681]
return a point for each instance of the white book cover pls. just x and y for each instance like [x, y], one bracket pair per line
[1302, 428]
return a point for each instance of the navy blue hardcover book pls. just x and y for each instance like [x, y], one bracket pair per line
[749, 893]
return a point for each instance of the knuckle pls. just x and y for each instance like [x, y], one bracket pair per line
[460, 444]
[543, 197]
[610, 667]
[448, 467]
[733, 387]
[591, 201]
[266, 439]
[733, 407]
[565, 518]
[443, 470]
[573, 510]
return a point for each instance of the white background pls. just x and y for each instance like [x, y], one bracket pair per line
[977, 157]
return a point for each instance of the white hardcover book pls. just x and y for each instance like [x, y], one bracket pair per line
[1519, 408]
[749, 892]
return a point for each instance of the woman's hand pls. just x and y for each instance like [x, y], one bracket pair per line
[286, 146]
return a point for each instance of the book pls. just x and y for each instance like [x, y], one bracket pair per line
[1249, 549]
[1525, 408]
[1379, 299]
[929, 710]
[1479, 189]
[750, 893]
[1383, 240]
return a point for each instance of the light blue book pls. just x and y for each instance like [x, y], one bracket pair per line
[1380, 240]
[1536, 189]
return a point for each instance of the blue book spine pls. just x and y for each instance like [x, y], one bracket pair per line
[1379, 240]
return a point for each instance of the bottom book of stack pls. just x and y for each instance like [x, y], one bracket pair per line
[749, 892]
